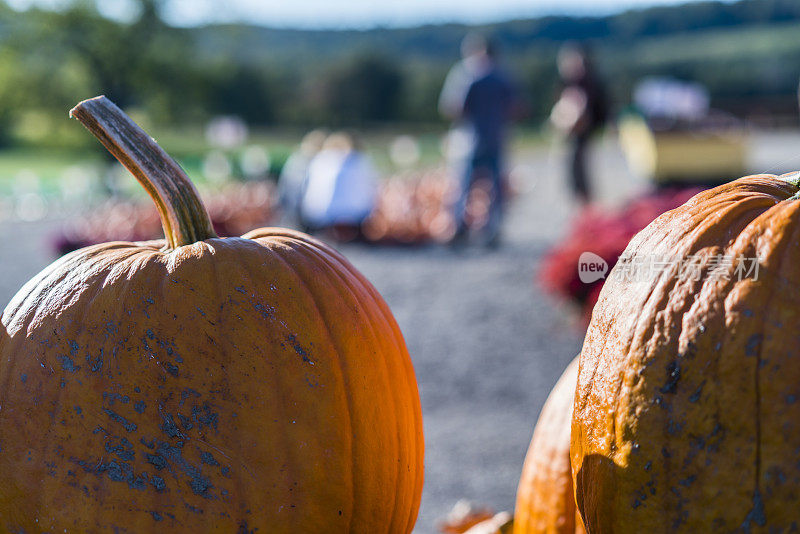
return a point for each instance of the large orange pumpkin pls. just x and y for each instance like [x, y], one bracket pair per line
[203, 384]
[686, 412]
[545, 499]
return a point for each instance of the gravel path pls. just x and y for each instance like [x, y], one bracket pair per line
[487, 344]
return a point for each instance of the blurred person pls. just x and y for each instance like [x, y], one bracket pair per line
[341, 189]
[480, 99]
[294, 175]
[581, 110]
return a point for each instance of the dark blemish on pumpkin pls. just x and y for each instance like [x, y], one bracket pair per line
[208, 458]
[204, 416]
[197, 481]
[116, 471]
[775, 473]
[63, 383]
[149, 445]
[156, 516]
[673, 376]
[99, 429]
[225, 471]
[696, 395]
[756, 514]
[292, 339]
[747, 313]
[97, 364]
[169, 427]
[124, 450]
[171, 369]
[267, 312]
[686, 482]
[159, 462]
[78, 410]
[73, 348]
[753, 345]
[636, 504]
[665, 453]
[201, 312]
[244, 529]
[240, 289]
[200, 486]
[68, 364]
[192, 508]
[648, 465]
[52, 468]
[150, 334]
[23, 377]
[127, 425]
[114, 397]
[186, 423]
[158, 483]
[139, 406]
[137, 389]
[186, 393]
[790, 399]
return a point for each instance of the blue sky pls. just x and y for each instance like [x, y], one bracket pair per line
[358, 13]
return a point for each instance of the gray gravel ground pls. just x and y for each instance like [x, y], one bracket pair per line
[487, 343]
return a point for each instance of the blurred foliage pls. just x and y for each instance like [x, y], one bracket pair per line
[747, 53]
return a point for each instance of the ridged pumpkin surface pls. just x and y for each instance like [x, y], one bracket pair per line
[545, 499]
[256, 382]
[686, 413]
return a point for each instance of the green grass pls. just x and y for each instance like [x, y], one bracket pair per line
[48, 169]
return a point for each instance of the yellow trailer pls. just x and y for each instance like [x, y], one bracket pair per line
[683, 155]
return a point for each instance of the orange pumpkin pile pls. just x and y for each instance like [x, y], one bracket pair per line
[199, 384]
[233, 209]
[413, 208]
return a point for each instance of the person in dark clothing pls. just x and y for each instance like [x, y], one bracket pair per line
[480, 99]
[581, 110]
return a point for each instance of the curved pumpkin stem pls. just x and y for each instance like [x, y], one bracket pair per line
[183, 214]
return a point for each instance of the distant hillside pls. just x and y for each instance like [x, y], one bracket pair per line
[517, 37]
[747, 53]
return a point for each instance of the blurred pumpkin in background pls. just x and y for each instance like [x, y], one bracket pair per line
[201, 384]
[686, 413]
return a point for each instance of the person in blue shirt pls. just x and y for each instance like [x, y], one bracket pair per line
[481, 100]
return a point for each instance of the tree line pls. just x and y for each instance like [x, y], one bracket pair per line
[50, 59]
